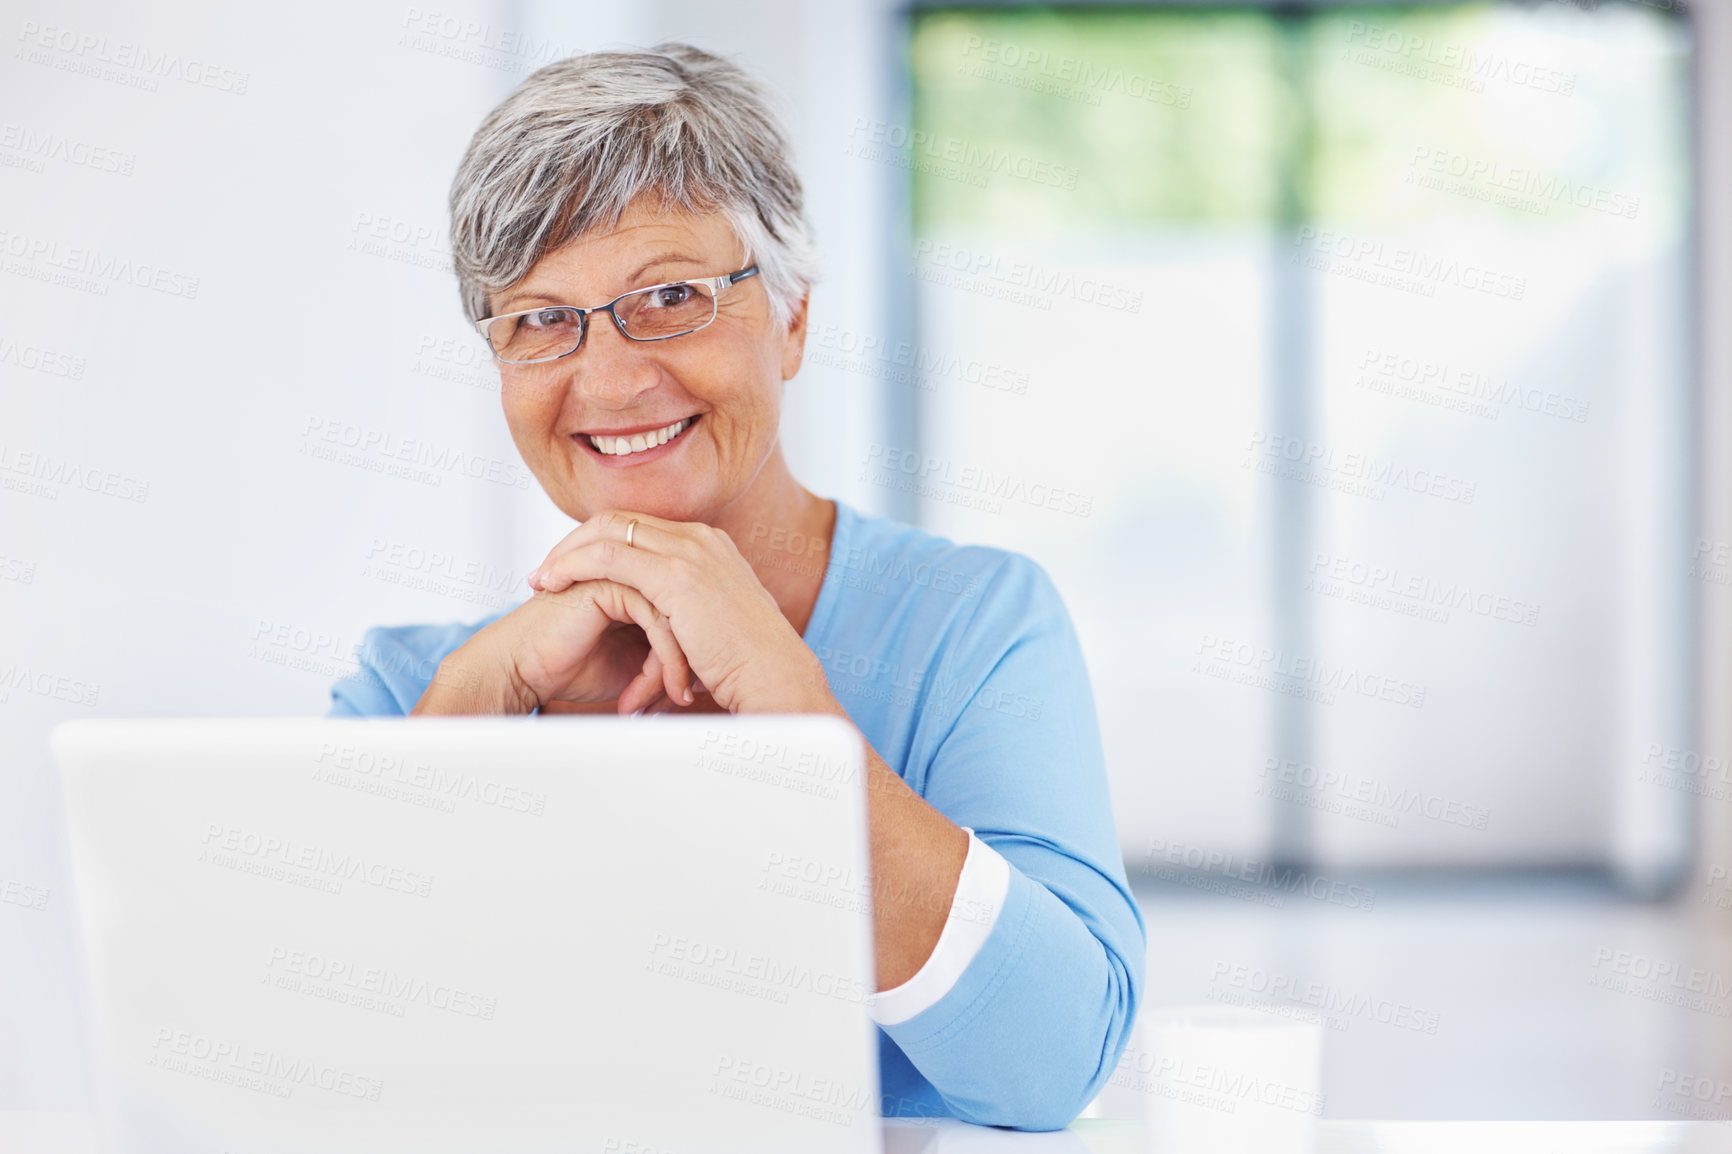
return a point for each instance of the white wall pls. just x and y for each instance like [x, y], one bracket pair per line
[1713, 23]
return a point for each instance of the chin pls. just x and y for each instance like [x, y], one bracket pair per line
[654, 500]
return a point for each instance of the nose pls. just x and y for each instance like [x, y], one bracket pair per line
[611, 370]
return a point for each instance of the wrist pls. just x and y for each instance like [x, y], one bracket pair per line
[478, 677]
[509, 686]
[802, 689]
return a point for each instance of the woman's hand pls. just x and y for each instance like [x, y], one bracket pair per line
[726, 624]
[591, 641]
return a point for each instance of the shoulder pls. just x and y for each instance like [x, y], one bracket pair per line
[908, 572]
[396, 663]
[963, 655]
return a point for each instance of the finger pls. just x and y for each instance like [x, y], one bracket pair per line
[645, 689]
[651, 678]
[571, 538]
[607, 525]
[675, 672]
[641, 692]
[652, 574]
[670, 667]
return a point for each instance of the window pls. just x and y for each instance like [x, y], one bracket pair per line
[1337, 367]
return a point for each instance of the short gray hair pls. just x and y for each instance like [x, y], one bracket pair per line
[581, 138]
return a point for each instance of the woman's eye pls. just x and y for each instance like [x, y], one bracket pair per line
[547, 318]
[670, 295]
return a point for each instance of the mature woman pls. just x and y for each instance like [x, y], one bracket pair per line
[629, 238]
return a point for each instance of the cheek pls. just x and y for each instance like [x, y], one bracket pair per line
[763, 393]
[752, 412]
[734, 381]
[528, 410]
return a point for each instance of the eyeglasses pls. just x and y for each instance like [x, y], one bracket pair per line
[655, 313]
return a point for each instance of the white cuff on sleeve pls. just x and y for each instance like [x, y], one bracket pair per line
[980, 892]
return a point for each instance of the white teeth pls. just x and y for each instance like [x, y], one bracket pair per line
[638, 442]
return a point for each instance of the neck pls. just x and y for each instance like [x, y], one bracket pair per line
[783, 530]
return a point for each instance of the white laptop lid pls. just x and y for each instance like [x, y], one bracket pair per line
[645, 936]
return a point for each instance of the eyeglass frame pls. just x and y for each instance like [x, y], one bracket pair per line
[716, 283]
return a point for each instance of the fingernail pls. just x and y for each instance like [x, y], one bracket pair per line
[638, 712]
[689, 698]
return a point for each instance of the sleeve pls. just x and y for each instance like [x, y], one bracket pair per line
[363, 693]
[1036, 1023]
[980, 890]
[394, 666]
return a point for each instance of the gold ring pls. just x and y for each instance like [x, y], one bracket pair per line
[631, 527]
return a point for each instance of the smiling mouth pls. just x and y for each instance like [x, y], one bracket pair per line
[613, 446]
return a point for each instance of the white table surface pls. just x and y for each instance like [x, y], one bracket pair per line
[1104, 1136]
[61, 1133]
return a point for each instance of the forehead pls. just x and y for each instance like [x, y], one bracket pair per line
[646, 222]
[648, 244]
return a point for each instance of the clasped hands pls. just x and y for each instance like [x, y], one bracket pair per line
[677, 612]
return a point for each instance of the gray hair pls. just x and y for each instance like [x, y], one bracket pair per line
[581, 138]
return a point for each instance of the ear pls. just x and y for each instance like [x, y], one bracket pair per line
[794, 346]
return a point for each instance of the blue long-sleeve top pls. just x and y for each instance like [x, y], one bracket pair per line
[961, 667]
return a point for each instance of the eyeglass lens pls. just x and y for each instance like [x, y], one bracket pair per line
[647, 315]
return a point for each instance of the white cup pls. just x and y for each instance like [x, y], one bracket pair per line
[1226, 1079]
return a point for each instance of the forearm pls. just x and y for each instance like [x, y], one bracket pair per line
[916, 852]
[917, 855]
[473, 680]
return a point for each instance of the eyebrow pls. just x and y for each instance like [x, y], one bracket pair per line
[516, 301]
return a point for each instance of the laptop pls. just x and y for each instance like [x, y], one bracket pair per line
[571, 934]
